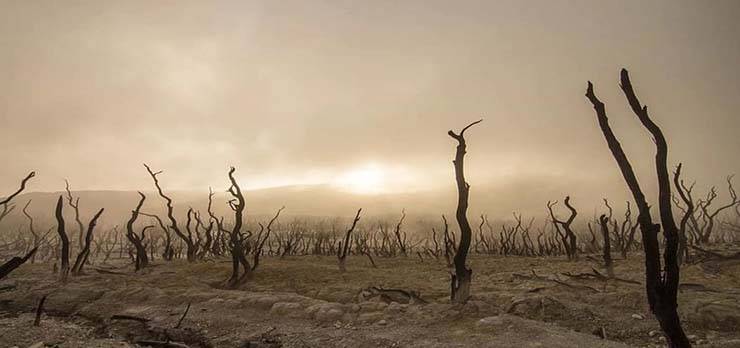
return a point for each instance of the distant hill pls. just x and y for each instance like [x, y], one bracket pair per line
[523, 195]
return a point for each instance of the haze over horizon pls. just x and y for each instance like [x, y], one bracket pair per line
[359, 95]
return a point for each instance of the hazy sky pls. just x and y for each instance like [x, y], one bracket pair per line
[307, 92]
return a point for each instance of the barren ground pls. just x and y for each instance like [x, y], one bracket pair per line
[304, 301]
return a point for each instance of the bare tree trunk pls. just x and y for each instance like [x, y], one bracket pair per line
[64, 241]
[5, 202]
[344, 246]
[604, 222]
[14, 263]
[461, 280]
[141, 260]
[82, 256]
[170, 214]
[237, 241]
[661, 288]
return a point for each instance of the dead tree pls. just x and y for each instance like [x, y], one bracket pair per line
[709, 216]
[85, 252]
[401, 237]
[63, 240]
[262, 237]
[5, 202]
[169, 252]
[141, 260]
[15, 262]
[237, 241]
[567, 235]
[75, 205]
[661, 287]
[604, 223]
[170, 214]
[344, 246]
[36, 236]
[688, 213]
[461, 280]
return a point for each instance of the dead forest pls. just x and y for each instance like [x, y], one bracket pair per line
[639, 273]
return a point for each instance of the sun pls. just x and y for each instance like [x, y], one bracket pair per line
[366, 179]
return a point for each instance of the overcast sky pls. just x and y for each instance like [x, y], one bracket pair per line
[309, 92]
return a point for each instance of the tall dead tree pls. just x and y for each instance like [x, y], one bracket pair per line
[75, 205]
[461, 280]
[36, 235]
[171, 216]
[604, 223]
[141, 260]
[237, 242]
[63, 240]
[85, 252]
[343, 249]
[661, 286]
[685, 194]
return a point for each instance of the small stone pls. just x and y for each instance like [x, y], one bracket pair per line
[653, 333]
[692, 337]
[490, 321]
[338, 325]
[382, 322]
[638, 316]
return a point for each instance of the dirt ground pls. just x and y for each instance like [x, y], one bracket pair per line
[304, 301]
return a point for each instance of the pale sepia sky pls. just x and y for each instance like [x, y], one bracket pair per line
[308, 92]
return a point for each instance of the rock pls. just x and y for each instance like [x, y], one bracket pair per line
[37, 345]
[287, 309]
[382, 322]
[329, 311]
[370, 317]
[265, 302]
[393, 308]
[692, 337]
[638, 316]
[653, 333]
[491, 321]
[719, 315]
[372, 306]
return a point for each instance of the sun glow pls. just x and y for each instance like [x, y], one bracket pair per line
[367, 179]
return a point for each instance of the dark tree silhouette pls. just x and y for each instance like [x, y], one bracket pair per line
[461, 280]
[85, 252]
[15, 262]
[63, 240]
[190, 246]
[661, 287]
[567, 235]
[237, 242]
[141, 260]
[604, 223]
[262, 237]
[5, 202]
[343, 248]
[75, 205]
